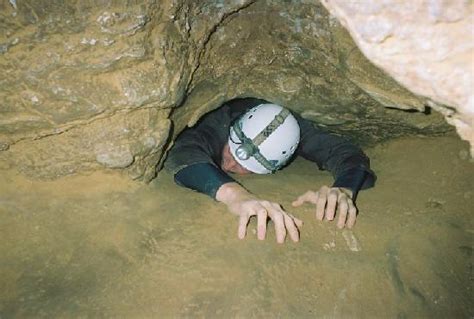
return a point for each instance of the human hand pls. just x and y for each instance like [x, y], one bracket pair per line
[245, 205]
[327, 200]
[264, 209]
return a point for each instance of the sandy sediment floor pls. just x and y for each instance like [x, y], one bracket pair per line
[103, 246]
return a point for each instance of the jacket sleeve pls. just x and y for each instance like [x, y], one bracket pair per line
[192, 163]
[348, 164]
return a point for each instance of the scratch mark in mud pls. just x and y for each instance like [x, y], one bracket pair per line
[351, 241]
[419, 295]
[393, 266]
[392, 254]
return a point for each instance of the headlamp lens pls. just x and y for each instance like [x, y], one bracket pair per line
[243, 152]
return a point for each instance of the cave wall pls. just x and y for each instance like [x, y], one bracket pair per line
[301, 57]
[427, 46]
[90, 85]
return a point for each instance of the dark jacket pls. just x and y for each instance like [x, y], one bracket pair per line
[195, 157]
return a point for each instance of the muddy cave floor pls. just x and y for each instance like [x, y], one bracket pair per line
[104, 246]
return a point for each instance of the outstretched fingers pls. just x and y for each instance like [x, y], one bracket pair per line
[261, 223]
[283, 222]
[343, 208]
[291, 227]
[275, 213]
[352, 215]
[298, 222]
[243, 222]
[321, 202]
[280, 229]
[309, 196]
[332, 202]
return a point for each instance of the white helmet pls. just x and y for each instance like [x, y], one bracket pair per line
[263, 139]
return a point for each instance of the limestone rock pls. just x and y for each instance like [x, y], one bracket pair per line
[83, 86]
[109, 85]
[301, 57]
[426, 45]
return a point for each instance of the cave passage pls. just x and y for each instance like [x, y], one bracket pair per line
[95, 92]
[104, 246]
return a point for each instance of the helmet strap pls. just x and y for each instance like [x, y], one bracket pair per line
[250, 147]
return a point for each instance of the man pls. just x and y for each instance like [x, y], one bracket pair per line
[249, 135]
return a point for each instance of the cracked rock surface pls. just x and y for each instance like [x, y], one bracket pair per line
[89, 86]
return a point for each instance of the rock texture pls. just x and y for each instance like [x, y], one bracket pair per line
[90, 85]
[427, 45]
[84, 87]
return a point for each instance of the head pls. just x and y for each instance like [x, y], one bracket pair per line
[262, 140]
[230, 165]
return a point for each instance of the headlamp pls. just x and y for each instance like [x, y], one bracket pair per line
[244, 151]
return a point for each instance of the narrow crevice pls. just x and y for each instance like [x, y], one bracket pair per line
[225, 17]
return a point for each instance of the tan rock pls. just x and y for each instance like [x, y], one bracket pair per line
[427, 46]
[88, 86]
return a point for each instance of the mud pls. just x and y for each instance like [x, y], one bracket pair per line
[103, 246]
